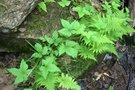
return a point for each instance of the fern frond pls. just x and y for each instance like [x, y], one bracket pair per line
[68, 82]
[86, 53]
[49, 82]
[104, 48]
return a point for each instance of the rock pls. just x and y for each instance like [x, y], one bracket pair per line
[8, 87]
[22, 29]
[13, 13]
[132, 11]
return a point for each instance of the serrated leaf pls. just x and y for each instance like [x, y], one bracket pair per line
[45, 50]
[38, 47]
[44, 71]
[42, 5]
[71, 43]
[22, 73]
[55, 35]
[65, 23]
[23, 65]
[19, 80]
[75, 24]
[49, 40]
[65, 32]
[53, 68]
[64, 3]
[14, 71]
[72, 52]
[37, 55]
[42, 39]
[79, 10]
[61, 49]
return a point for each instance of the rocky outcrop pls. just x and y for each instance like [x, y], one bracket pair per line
[132, 11]
[13, 13]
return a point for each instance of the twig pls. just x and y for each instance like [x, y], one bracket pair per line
[1, 4]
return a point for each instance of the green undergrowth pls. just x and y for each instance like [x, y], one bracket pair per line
[39, 23]
[61, 56]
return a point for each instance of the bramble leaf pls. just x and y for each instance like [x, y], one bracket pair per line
[42, 5]
[64, 3]
[22, 73]
[38, 47]
[70, 48]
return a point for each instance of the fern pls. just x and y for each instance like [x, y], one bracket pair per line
[49, 82]
[68, 83]
[92, 34]
[86, 53]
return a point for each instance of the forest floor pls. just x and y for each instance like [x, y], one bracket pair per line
[118, 74]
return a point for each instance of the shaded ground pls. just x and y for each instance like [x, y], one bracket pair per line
[120, 74]
[111, 72]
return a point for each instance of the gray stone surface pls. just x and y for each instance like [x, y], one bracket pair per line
[13, 13]
[132, 11]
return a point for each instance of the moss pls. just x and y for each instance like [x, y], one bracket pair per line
[40, 23]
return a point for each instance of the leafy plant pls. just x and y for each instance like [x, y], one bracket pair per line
[64, 3]
[94, 33]
[22, 73]
[42, 4]
[68, 82]
[84, 9]
[70, 48]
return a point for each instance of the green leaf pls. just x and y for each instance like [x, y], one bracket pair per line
[22, 73]
[37, 55]
[51, 81]
[14, 71]
[61, 49]
[42, 39]
[49, 65]
[27, 89]
[53, 68]
[45, 50]
[19, 80]
[48, 1]
[65, 23]
[84, 9]
[55, 35]
[68, 82]
[64, 3]
[44, 71]
[49, 40]
[86, 53]
[23, 65]
[72, 52]
[38, 47]
[110, 88]
[70, 48]
[42, 5]
[65, 32]
[71, 43]
[79, 10]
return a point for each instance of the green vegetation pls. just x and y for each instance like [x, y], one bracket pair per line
[94, 33]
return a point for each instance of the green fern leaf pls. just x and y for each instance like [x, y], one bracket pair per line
[86, 53]
[68, 83]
